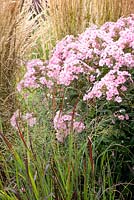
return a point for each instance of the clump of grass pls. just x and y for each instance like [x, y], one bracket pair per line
[64, 172]
[106, 10]
[69, 16]
[17, 36]
[80, 169]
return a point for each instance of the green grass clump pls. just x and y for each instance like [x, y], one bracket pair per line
[38, 167]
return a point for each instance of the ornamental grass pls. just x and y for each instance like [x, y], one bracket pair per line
[106, 10]
[16, 41]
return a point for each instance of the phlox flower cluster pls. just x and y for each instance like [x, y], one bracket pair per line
[28, 117]
[103, 55]
[29, 80]
[17, 116]
[64, 124]
[35, 76]
[14, 119]
[110, 46]
[110, 85]
[121, 115]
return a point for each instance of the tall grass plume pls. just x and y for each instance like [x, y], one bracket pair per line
[16, 40]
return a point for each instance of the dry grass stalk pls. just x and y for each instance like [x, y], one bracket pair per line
[110, 10]
[16, 39]
[68, 16]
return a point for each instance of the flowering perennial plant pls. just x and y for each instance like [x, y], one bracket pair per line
[64, 124]
[98, 63]
[17, 116]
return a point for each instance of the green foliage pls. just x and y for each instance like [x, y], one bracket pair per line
[39, 167]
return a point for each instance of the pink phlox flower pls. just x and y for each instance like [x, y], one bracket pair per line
[92, 78]
[14, 119]
[123, 88]
[126, 116]
[20, 85]
[28, 117]
[63, 124]
[110, 82]
[43, 81]
[121, 117]
[66, 78]
[118, 99]
[30, 82]
[67, 117]
[60, 137]
[30, 72]
[32, 63]
[78, 126]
